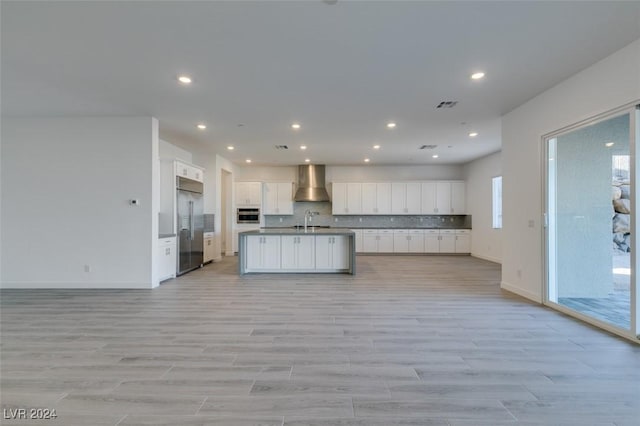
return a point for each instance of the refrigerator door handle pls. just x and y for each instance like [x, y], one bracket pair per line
[192, 236]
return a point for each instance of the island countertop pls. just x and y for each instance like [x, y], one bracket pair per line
[299, 231]
[292, 250]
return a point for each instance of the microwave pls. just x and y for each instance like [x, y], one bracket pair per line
[248, 215]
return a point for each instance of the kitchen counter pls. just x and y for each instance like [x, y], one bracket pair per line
[291, 250]
[299, 231]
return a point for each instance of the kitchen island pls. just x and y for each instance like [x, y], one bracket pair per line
[294, 250]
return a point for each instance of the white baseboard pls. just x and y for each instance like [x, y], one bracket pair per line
[65, 285]
[521, 292]
[489, 258]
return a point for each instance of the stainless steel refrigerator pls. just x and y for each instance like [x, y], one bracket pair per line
[190, 224]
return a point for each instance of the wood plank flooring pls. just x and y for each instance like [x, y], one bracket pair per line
[410, 340]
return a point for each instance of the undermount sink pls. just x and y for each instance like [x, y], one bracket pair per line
[311, 227]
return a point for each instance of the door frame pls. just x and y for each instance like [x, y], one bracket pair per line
[633, 109]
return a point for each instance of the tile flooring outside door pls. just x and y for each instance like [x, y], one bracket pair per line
[410, 340]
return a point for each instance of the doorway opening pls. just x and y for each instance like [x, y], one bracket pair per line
[590, 232]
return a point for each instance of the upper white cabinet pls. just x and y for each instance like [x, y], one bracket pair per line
[405, 198]
[189, 171]
[440, 197]
[278, 198]
[346, 198]
[248, 193]
[376, 198]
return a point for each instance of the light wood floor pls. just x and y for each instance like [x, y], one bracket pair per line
[410, 340]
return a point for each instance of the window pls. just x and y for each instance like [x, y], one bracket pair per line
[497, 201]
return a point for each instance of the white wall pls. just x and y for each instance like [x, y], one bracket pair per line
[172, 152]
[266, 174]
[608, 84]
[66, 186]
[486, 242]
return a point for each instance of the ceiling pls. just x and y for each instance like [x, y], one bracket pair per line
[342, 71]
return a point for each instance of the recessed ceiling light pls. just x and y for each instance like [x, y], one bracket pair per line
[184, 79]
[376, 147]
[201, 126]
[477, 75]
[473, 134]
[248, 160]
[303, 147]
[391, 125]
[609, 144]
[307, 160]
[295, 126]
[230, 147]
[434, 156]
[366, 160]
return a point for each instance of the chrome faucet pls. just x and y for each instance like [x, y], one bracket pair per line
[308, 214]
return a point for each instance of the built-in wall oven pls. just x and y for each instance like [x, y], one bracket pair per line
[248, 215]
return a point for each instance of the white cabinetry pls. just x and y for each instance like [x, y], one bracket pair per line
[208, 252]
[378, 240]
[440, 197]
[332, 252]
[463, 241]
[346, 198]
[167, 261]
[405, 198]
[263, 252]
[447, 241]
[431, 241]
[189, 171]
[298, 252]
[376, 198]
[408, 241]
[278, 198]
[248, 193]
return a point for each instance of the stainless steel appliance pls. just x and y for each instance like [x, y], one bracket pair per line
[190, 224]
[248, 215]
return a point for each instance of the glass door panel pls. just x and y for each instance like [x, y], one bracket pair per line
[589, 242]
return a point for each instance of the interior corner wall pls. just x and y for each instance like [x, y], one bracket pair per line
[486, 242]
[66, 217]
[604, 86]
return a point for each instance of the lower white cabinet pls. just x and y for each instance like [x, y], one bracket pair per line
[208, 251]
[447, 241]
[408, 241]
[263, 252]
[332, 252]
[463, 241]
[377, 240]
[415, 241]
[167, 261]
[298, 251]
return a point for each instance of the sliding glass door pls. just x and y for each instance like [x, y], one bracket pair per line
[590, 215]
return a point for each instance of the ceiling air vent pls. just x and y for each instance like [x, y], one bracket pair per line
[428, 146]
[282, 147]
[447, 104]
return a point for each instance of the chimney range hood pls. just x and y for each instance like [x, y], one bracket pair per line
[311, 183]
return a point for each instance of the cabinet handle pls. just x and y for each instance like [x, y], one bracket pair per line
[167, 251]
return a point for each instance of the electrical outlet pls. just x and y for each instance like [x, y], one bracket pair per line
[335, 219]
[87, 268]
[420, 219]
[360, 219]
[280, 220]
[519, 273]
[391, 219]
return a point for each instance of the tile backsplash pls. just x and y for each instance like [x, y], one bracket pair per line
[326, 218]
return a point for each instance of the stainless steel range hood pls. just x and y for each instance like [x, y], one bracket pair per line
[311, 184]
